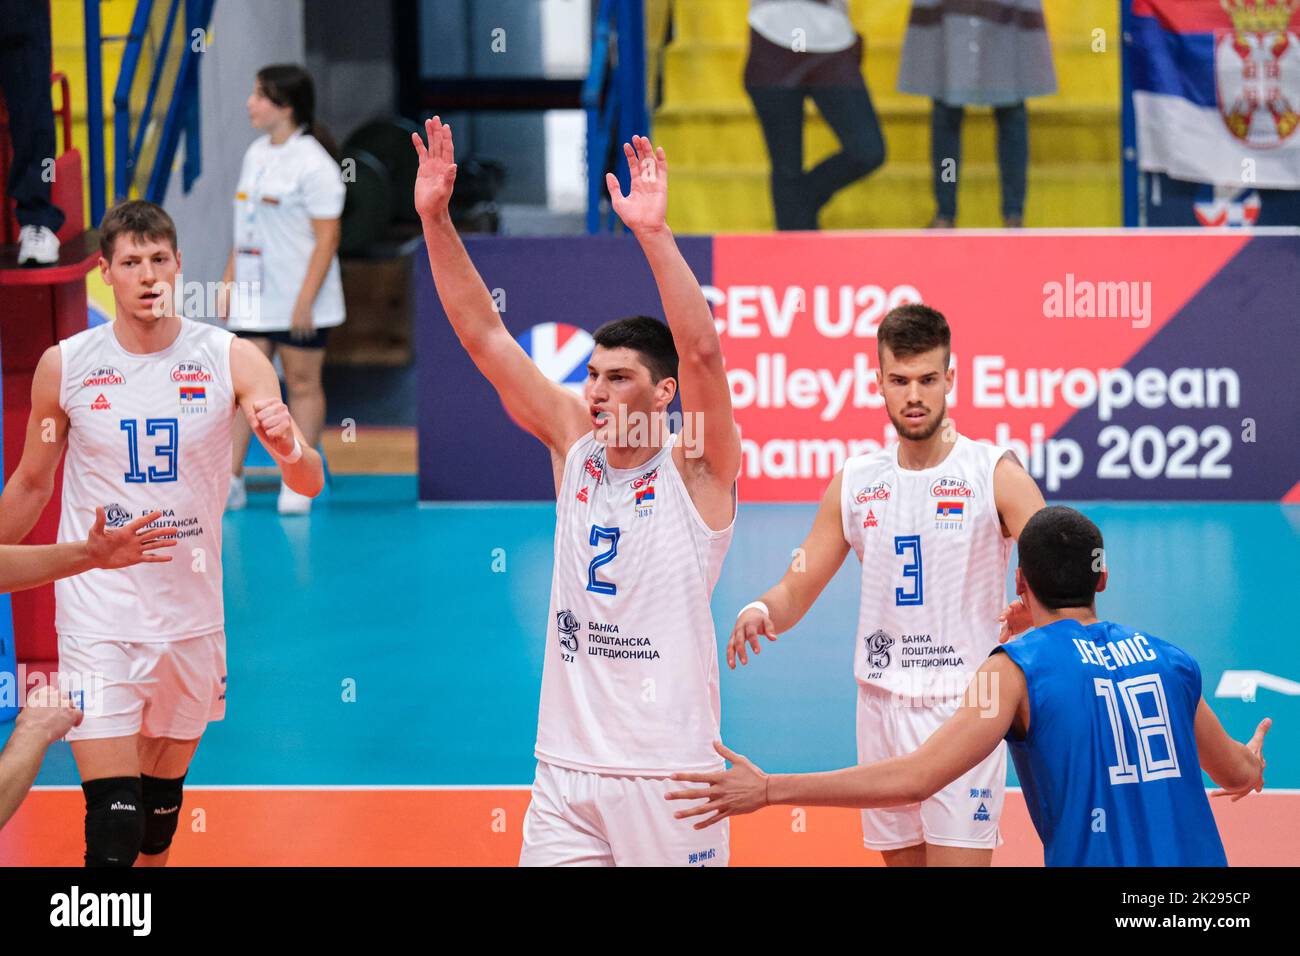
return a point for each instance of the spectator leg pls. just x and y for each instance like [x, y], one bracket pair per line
[25, 82]
[1013, 157]
[945, 146]
[780, 112]
[848, 111]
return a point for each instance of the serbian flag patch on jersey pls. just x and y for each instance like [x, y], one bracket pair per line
[646, 495]
[948, 511]
[194, 395]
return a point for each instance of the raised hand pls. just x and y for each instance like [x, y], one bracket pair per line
[271, 422]
[749, 626]
[437, 175]
[128, 545]
[645, 207]
[1014, 619]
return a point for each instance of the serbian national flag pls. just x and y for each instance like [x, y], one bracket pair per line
[1216, 83]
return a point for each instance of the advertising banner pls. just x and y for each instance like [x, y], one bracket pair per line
[1133, 365]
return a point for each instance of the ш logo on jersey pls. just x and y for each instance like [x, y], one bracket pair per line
[115, 515]
[877, 492]
[582, 494]
[568, 626]
[100, 404]
[104, 375]
[951, 488]
[878, 644]
[190, 371]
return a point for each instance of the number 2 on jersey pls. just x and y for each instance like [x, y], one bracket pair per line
[597, 534]
[913, 593]
[165, 450]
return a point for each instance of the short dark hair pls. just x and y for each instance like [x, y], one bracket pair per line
[647, 336]
[1060, 552]
[912, 329]
[139, 219]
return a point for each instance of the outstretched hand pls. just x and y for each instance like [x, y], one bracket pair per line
[437, 174]
[645, 207]
[1256, 748]
[129, 544]
[739, 790]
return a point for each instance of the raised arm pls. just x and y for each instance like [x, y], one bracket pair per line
[966, 738]
[1236, 767]
[257, 391]
[30, 486]
[811, 569]
[701, 373]
[544, 408]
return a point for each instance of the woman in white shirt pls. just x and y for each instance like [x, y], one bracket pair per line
[288, 292]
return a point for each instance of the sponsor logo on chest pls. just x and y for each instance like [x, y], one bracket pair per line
[954, 497]
[102, 376]
[874, 497]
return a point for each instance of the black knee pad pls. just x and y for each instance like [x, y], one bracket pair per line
[162, 811]
[114, 821]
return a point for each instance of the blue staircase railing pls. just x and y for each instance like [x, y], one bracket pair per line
[614, 97]
[144, 148]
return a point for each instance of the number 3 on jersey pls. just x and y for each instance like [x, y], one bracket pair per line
[912, 592]
[597, 535]
[165, 450]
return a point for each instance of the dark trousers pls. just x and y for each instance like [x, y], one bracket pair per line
[25, 83]
[1013, 156]
[798, 195]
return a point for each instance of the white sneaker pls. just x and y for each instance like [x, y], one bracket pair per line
[237, 497]
[292, 503]
[38, 245]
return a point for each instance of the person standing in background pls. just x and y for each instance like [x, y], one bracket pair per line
[995, 53]
[808, 48]
[25, 84]
[287, 223]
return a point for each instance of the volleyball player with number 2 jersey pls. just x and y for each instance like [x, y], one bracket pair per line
[144, 407]
[644, 517]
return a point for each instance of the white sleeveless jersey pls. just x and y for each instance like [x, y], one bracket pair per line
[147, 433]
[934, 565]
[630, 680]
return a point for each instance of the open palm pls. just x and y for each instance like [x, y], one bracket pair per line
[646, 204]
[437, 175]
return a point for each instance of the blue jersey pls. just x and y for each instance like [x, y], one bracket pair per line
[1109, 766]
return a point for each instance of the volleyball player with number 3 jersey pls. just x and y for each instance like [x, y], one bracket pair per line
[644, 517]
[144, 407]
[932, 521]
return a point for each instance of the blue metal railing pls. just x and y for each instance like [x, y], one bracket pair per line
[614, 98]
[143, 150]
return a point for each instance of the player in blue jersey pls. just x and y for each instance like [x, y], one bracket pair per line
[1107, 728]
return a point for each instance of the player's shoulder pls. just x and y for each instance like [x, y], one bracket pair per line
[95, 333]
[867, 462]
[201, 331]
